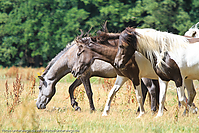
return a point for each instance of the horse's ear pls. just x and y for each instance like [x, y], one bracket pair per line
[77, 42]
[197, 25]
[88, 33]
[41, 78]
[105, 27]
[80, 36]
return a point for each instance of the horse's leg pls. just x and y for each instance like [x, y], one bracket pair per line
[191, 93]
[118, 83]
[181, 94]
[72, 87]
[144, 92]
[87, 86]
[157, 91]
[154, 91]
[173, 73]
[139, 97]
[162, 98]
[152, 86]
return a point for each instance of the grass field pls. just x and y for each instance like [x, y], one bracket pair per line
[18, 111]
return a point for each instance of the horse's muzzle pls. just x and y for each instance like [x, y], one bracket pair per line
[119, 66]
[41, 106]
[74, 73]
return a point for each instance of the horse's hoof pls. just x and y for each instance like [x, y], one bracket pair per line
[195, 111]
[159, 115]
[105, 114]
[91, 111]
[185, 112]
[140, 115]
[77, 109]
[153, 113]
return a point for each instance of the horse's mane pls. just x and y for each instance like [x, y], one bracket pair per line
[50, 64]
[129, 36]
[152, 43]
[104, 36]
[100, 38]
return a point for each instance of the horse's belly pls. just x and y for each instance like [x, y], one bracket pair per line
[103, 69]
[188, 61]
[145, 67]
[190, 72]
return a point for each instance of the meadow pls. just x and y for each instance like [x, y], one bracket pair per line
[18, 111]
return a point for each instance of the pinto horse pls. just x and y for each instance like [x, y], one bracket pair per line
[62, 64]
[137, 67]
[154, 45]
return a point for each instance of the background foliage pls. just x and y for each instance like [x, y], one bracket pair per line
[32, 32]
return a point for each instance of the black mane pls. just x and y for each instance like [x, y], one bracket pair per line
[129, 36]
[102, 38]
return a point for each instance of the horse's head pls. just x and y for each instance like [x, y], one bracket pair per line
[84, 55]
[46, 92]
[193, 31]
[126, 47]
[103, 47]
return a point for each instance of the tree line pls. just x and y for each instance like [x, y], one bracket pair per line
[32, 32]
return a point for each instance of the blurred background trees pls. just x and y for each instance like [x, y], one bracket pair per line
[32, 32]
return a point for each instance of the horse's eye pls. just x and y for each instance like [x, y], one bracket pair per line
[39, 87]
[121, 46]
[79, 53]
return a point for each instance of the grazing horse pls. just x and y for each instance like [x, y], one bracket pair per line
[138, 66]
[62, 64]
[155, 45]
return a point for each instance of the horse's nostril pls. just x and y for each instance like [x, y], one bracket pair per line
[38, 106]
[115, 64]
[73, 72]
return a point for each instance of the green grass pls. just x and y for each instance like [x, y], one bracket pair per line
[59, 114]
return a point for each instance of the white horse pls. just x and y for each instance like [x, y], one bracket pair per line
[193, 31]
[152, 42]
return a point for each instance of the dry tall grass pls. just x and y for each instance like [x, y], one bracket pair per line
[60, 116]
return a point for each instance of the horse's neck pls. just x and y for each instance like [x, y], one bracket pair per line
[105, 52]
[193, 40]
[62, 65]
[57, 71]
